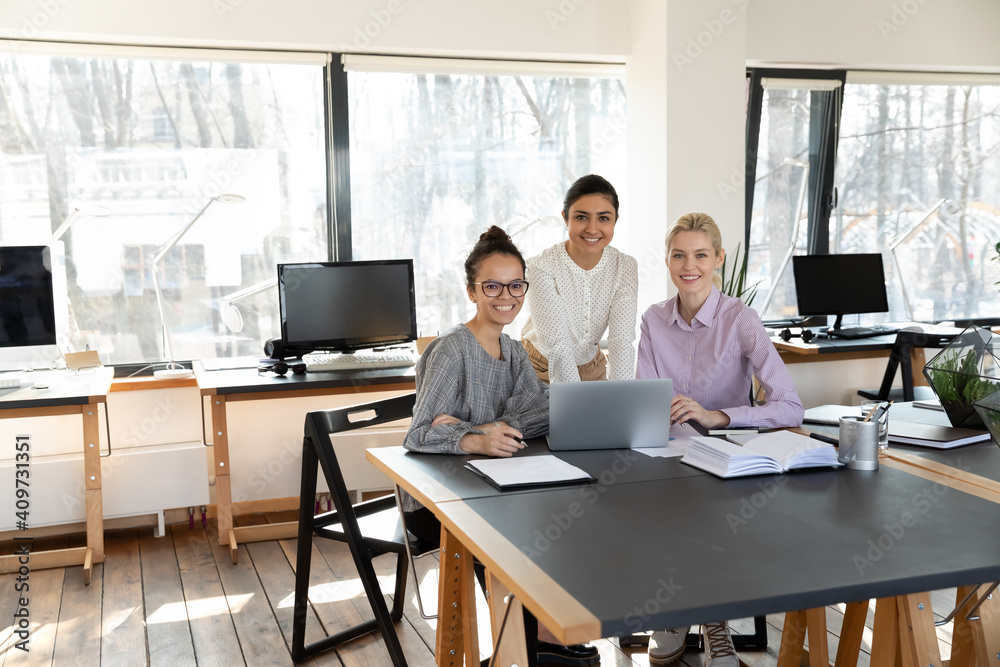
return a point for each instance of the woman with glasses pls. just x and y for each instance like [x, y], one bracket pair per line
[582, 288]
[477, 394]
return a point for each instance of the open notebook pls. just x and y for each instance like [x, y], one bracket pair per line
[779, 451]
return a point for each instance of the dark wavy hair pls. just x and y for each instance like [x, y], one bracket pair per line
[494, 240]
[591, 184]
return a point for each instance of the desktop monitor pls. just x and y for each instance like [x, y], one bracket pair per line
[840, 284]
[343, 306]
[27, 304]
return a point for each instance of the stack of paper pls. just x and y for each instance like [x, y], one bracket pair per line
[522, 471]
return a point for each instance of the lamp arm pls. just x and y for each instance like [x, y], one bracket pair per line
[175, 239]
[163, 319]
[61, 229]
[905, 236]
[247, 291]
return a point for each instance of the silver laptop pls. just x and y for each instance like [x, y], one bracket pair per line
[609, 415]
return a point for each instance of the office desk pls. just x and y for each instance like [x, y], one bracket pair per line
[247, 384]
[67, 393]
[701, 549]
[836, 345]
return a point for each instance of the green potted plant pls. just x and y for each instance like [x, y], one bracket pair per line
[963, 373]
[734, 282]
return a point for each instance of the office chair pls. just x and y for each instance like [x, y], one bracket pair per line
[900, 358]
[370, 528]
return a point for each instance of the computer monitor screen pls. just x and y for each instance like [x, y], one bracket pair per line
[331, 306]
[840, 284]
[27, 306]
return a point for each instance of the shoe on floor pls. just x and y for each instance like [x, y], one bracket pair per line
[576, 655]
[666, 646]
[719, 649]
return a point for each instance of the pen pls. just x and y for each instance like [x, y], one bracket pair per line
[882, 410]
[824, 438]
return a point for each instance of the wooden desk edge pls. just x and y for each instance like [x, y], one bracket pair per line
[941, 473]
[392, 461]
[572, 623]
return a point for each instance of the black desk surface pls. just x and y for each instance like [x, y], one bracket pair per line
[831, 345]
[248, 380]
[607, 466]
[63, 387]
[698, 549]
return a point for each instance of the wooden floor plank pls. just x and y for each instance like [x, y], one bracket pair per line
[123, 631]
[199, 608]
[335, 611]
[212, 631]
[8, 604]
[338, 556]
[278, 579]
[168, 632]
[257, 628]
[44, 599]
[78, 637]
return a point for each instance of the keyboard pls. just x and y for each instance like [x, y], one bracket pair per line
[863, 332]
[358, 362]
[10, 381]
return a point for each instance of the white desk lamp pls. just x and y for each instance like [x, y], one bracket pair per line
[903, 238]
[89, 211]
[231, 315]
[173, 371]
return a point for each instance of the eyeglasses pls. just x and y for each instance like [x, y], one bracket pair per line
[516, 289]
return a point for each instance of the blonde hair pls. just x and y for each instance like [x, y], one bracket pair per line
[698, 222]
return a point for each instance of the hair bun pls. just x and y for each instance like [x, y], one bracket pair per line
[494, 233]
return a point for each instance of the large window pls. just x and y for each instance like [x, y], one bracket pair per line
[916, 178]
[436, 158]
[145, 139]
[918, 172]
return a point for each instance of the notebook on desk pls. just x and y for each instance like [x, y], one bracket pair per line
[615, 414]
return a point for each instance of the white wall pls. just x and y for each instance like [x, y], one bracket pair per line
[597, 29]
[928, 35]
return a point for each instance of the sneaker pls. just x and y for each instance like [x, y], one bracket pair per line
[719, 649]
[574, 655]
[666, 646]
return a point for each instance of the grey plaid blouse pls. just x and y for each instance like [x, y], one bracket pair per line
[456, 376]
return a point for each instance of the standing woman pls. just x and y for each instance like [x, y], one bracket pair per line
[711, 345]
[477, 394]
[580, 289]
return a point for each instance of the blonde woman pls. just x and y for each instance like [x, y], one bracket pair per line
[711, 345]
[581, 288]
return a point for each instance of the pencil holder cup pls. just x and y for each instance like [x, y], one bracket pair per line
[858, 443]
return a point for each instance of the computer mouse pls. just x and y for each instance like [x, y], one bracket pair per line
[40, 385]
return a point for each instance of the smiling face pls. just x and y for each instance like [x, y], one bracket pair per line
[591, 226]
[503, 308]
[691, 260]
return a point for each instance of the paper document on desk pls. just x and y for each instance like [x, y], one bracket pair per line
[680, 438]
[523, 471]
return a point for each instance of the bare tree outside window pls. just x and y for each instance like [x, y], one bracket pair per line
[152, 141]
[437, 159]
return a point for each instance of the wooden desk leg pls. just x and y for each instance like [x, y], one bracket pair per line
[512, 650]
[963, 643]
[223, 488]
[885, 633]
[92, 481]
[976, 642]
[851, 634]
[819, 651]
[917, 638]
[793, 637]
[457, 635]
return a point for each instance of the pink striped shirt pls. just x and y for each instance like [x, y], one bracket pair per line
[714, 360]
